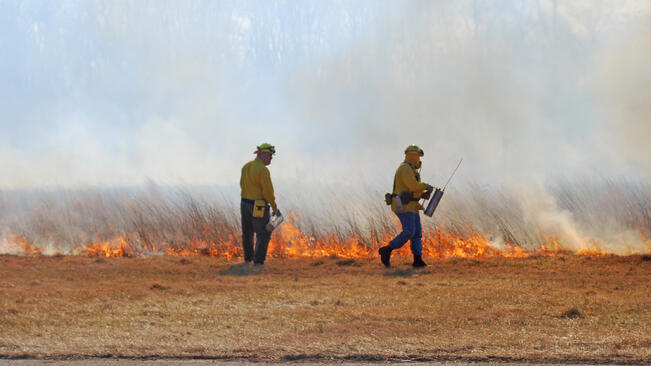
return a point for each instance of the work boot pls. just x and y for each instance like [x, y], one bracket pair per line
[385, 255]
[418, 261]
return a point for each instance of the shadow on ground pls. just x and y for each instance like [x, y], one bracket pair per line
[403, 272]
[241, 269]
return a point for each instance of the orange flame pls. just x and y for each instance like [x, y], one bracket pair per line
[119, 247]
[288, 241]
[28, 248]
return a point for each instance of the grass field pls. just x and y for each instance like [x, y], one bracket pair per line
[537, 309]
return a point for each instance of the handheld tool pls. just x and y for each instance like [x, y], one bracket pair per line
[274, 222]
[438, 194]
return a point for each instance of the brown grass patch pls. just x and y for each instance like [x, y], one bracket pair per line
[493, 309]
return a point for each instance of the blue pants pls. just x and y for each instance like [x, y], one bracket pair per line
[411, 230]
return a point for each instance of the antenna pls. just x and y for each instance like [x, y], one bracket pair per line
[455, 170]
[438, 194]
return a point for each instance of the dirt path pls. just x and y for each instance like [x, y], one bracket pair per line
[169, 362]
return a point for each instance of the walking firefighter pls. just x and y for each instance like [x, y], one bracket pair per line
[407, 191]
[257, 196]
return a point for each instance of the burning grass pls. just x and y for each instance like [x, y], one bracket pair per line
[557, 309]
[476, 223]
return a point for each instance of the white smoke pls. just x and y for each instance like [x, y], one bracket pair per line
[527, 93]
[518, 89]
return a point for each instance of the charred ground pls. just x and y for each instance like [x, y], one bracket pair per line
[561, 309]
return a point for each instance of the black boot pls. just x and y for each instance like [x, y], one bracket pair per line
[385, 255]
[418, 261]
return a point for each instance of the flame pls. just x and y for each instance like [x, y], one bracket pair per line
[19, 243]
[227, 249]
[28, 248]
[11, 244]
[288, 241]
[594, 252]
[118, 247]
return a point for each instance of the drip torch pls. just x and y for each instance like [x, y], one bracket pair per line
[274, 221]
[438, 194]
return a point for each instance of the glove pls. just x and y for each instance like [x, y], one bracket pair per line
[275, 212]
[428, 192]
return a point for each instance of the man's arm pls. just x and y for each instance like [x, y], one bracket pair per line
[268, 189]
[242, 181]
[408, 178]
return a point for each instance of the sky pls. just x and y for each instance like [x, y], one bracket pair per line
[109, 93]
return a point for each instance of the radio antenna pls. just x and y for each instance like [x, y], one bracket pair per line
[455, 170]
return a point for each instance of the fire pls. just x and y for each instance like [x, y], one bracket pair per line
[118, 247]
[11, 244]
[288, 241]
[227, 249]
[595, 252]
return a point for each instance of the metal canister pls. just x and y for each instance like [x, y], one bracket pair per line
[434, 202]
[274, 222]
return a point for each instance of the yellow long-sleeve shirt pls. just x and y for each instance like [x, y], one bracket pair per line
[256, 182]
[408, 180]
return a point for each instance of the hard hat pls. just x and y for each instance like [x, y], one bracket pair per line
[265, 147]
[414, 149]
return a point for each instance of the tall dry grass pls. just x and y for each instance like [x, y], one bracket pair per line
[612, 216]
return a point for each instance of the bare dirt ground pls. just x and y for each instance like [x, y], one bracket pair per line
[168, 362]
[570, 309]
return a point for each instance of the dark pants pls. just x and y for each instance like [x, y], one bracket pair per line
[411, 231]
[251, 225]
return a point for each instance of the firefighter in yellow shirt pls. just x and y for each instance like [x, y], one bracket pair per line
[407, 190]
[257, 196]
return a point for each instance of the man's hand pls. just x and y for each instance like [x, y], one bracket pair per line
[428, 192]
[275, 212]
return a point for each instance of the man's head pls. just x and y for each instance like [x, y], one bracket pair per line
[413, 154]
[265, 152]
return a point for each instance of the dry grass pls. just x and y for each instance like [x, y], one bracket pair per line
[602, 216]
[567, 309]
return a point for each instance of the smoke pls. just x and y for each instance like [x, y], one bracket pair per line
[508, 88]
[528, 93]
[624, 95]
[522, 93]
[108, 93]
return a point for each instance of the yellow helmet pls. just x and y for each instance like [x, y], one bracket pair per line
[414, 149]
[265, 147]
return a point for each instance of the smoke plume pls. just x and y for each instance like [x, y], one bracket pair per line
[530, 94]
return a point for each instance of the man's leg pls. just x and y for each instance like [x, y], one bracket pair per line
[262, 237]
[416, 240]
[246, 210]
[417, 244]
[407, 221]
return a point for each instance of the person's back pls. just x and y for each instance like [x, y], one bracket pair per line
[256, 182]
[257, 195]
